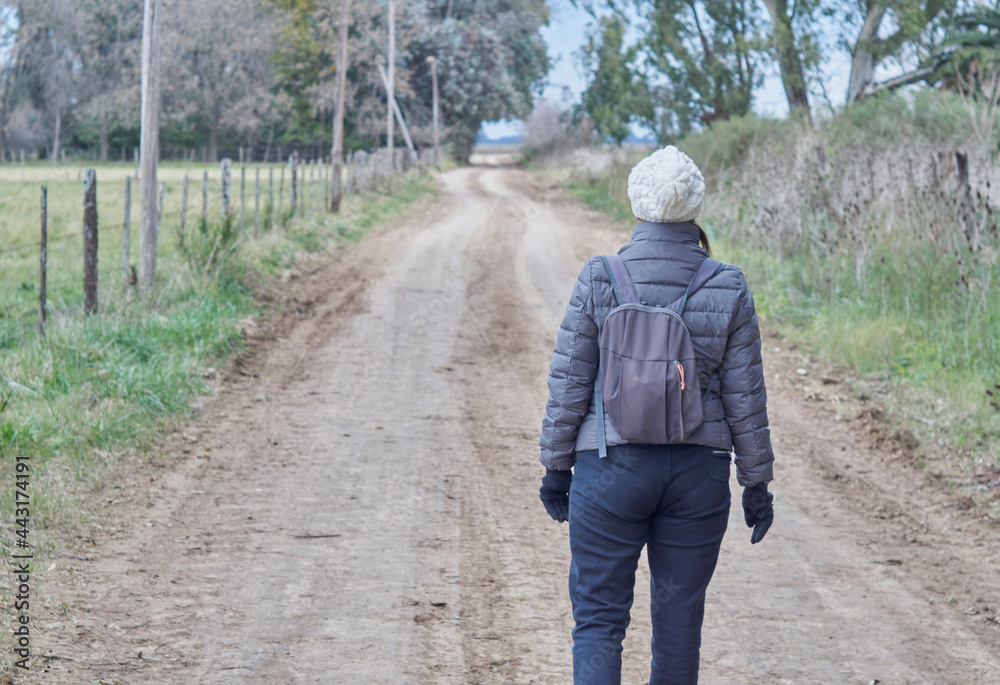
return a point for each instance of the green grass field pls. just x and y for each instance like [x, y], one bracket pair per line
[20, 230]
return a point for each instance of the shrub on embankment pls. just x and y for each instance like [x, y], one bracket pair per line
[872, 237]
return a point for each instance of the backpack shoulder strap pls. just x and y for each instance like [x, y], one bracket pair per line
[705, 272]
[602, 438]
[621, 280]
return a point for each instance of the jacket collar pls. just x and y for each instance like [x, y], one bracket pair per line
[665, 232]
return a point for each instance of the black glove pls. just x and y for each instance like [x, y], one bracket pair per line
[554, 494]
[758, 511]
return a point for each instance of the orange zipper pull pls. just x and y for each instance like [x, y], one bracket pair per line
[681, 369]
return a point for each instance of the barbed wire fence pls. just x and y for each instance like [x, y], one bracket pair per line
[267, 197]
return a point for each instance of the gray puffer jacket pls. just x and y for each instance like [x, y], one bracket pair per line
[662, 259]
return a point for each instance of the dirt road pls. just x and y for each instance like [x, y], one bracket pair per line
[359, 504]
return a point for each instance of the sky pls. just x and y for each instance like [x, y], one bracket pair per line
[567, 32]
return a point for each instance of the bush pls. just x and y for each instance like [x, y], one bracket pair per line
[726, 143]
[926, 117]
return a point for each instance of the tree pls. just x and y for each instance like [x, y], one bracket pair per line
[616, 94]
[111, 36]
[788, 48]
[969, 57]
[704, 57]
[69, 70]
[491, 64]
[977, 31]
[303, 61]
[709, 52]
[551, 130]
[219, 66]
[340, 101]
[11, 63]
[912, 19]
[51, 44]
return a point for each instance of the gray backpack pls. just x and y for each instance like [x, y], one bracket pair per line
[647, 381]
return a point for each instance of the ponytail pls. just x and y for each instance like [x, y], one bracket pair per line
[703, 238]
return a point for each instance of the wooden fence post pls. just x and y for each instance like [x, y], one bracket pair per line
[43, 260]
[126, 233]
[311, 204]
[256, 218]
[204, 202]
[135, 158]
[324, 181]
[90, 241]
[243, 193]
[281, 193]
[227, 170]
[294, 190]
[302, 196]
[270, 199]
[184, 212]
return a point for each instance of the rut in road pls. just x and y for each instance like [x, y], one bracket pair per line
[365, 508]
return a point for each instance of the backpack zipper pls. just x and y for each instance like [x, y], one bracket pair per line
[680, 369]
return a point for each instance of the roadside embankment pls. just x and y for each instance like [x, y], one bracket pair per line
[870, 241]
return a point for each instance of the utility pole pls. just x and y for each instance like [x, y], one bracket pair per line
[337, 153]
[399, 116]
[150, 143]
[392, 81]
[436, 108]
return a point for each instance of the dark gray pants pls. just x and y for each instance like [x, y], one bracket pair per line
[673, 499]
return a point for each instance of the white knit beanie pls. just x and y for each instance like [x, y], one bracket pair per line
[666, 186]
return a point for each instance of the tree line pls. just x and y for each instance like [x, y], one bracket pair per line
[259, 74]
[700, 61]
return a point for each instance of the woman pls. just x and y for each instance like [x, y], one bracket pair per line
[674, 499]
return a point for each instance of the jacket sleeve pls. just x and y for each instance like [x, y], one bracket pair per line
[571, 376]
[743, 395]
